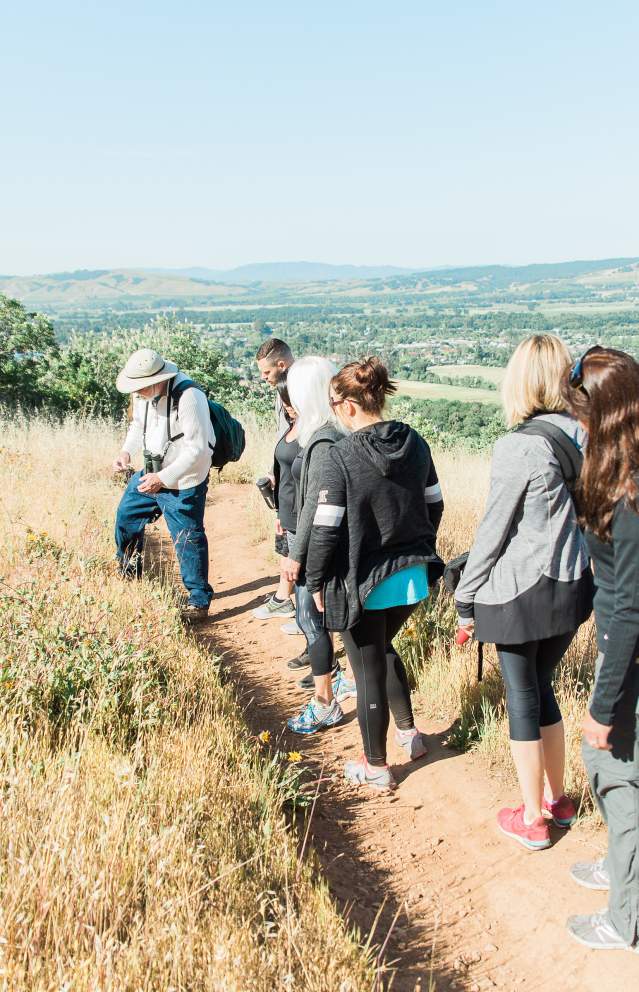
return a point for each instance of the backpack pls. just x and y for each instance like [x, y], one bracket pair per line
[570, 461]
[230, 439]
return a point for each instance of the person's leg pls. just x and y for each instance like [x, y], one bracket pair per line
[397, 687]
[320, 645]
[365, 645]
[549, 654]
[519, 669]
[184, 514]
[134, 512]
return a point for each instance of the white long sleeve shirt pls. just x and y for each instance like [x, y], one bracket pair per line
[187, 461]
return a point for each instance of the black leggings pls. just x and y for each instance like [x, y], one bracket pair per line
[380, 677]
[528, 672]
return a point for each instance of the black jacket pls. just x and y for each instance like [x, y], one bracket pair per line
[378, 511]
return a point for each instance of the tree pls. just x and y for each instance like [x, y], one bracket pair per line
[27, 344]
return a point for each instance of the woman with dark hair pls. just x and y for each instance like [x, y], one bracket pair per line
[602, 392]
[371, 555]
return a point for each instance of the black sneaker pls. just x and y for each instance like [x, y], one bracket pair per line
[308, 683]
[302, 661]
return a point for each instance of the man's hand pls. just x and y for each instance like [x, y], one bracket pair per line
[596, 734]
[279, 530]
[150, 483]
[319, 600]
[122, 462]
[291, 569]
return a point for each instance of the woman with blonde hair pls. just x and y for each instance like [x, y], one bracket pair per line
[527, 585]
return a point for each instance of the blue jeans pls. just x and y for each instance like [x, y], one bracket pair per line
[183, 510]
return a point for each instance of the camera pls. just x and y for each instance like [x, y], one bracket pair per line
[152, 463]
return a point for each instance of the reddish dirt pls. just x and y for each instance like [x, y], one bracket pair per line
[431, 854]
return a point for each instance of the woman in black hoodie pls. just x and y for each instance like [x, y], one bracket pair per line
[371, 556]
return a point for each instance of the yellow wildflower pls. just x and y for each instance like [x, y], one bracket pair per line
[294, 756]
[264, 737]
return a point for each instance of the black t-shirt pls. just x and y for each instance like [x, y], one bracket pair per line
[285, 454]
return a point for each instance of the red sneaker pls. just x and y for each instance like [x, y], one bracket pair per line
[535, 836]
[563, 811]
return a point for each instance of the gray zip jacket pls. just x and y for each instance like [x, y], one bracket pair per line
[529, 530]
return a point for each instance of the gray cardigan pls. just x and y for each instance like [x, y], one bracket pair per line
[313, 457]
[529, 529]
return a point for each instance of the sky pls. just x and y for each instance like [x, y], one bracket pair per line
[419, 133]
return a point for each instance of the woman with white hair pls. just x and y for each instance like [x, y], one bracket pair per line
[308, 386]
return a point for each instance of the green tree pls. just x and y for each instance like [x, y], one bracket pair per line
[27, 344]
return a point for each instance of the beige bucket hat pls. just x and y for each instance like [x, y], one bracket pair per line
[144, 368]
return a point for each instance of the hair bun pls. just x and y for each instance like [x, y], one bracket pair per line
[367, 382]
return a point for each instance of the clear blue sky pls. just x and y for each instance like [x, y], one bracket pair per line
[415, 133]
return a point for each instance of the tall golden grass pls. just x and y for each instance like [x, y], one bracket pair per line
[143, 838]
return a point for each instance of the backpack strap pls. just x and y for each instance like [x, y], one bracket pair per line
[173, 400]
[146, 417]
[480, 660]
[564, 448]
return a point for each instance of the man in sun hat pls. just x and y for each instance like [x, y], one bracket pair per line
[173, 483]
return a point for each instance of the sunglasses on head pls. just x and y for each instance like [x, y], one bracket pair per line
[576, 374]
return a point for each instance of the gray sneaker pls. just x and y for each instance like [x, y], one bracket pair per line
[597, 932]
[591, 874]
[377, 777]
[413, 743]
[273, 610]
[291, 628]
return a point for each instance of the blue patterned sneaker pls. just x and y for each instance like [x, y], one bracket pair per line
[316, 716]
[378, 777]
[343, 688]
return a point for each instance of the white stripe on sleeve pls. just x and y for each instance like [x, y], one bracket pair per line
[433, 494]
[329, 516]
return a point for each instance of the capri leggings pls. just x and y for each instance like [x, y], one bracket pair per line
[311, 623]
[380, 677]
[528, 673]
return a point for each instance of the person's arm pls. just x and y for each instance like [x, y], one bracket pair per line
[623, 630]
[195, 424]
[510, 476]
[315, 474]
[433, 496]
[135, 435]
[329, 519]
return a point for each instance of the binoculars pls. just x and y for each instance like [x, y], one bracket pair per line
[152, 463]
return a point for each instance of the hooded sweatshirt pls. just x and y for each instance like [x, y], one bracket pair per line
[378, 510]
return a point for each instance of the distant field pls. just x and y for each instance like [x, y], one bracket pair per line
[488, 372]
[433, 391]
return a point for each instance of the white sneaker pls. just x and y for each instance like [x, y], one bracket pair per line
[413, 743]
[272, 610]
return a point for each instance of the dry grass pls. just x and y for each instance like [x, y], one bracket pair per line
[143, 838]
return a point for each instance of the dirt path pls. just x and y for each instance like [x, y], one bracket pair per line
[493, 912]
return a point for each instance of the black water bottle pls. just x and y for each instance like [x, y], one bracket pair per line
[266, 488]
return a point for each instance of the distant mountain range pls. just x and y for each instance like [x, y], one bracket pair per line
[288, 272]
[283, 281]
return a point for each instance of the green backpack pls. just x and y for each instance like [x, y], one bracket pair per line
[230, 440]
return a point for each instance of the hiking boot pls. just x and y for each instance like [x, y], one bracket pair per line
[302, 661]
[194, 614]
[597, 932]
[535, 836]
[343, 688]
[291, 628]
[316, 716]
[591, 874]
[274, 609]
[562, 811]
[378, 777]
[413, 742]
[308, 682]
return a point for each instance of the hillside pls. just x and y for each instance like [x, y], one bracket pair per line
[292, 282]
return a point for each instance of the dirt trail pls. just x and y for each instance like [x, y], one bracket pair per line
[494, 912]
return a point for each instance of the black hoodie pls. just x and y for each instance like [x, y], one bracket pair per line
[378, 511]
